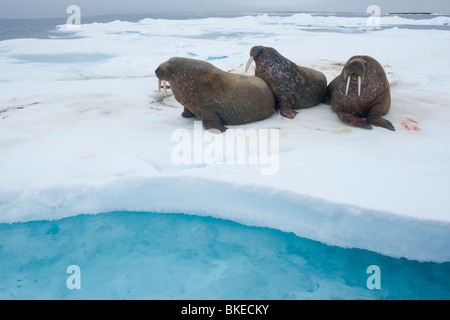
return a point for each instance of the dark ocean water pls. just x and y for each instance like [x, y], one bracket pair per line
[46, 28]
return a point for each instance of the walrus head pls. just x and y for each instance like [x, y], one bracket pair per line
[255, 53]
[354, 72]
[163, 74]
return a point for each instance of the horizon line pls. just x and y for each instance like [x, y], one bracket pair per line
[242, 13]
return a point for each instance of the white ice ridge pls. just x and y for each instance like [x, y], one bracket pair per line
[258, 24]
[334, 224]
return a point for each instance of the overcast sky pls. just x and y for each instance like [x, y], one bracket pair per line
[57, 8]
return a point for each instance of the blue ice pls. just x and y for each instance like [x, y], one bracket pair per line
[130, 255]
[216, 58]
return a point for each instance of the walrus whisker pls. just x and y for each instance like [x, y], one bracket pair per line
[348, 86]
[248, 64]
[359, 86]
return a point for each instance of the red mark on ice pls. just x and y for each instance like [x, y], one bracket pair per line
[411, 125]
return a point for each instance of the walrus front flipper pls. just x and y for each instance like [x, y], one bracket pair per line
[353, 120]
[288, 113]
[381, 122]
[211, 120]
[286, 110]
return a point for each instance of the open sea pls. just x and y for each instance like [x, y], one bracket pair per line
[46, 27]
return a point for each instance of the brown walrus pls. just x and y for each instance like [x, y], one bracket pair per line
[293, 86]
[360, 92]
[217, 97]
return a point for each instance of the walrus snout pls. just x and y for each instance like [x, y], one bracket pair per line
[255, 52]
[354, 72]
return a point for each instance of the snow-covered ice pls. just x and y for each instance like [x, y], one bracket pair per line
[83, 129]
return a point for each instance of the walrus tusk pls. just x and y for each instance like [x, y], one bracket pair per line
[164, 86]
[248, 64]
[348, 85]
[359, 86]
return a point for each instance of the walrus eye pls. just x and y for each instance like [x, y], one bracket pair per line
[248, 64]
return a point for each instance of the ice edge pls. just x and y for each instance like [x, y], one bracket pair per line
[316, 219]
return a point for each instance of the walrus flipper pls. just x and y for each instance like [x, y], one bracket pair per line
[381, 122]
[211, 120]
[287, 110]
[288, 113]
[374, 117]
[353, 120]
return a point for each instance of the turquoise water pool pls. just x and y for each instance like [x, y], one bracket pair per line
[129, 255]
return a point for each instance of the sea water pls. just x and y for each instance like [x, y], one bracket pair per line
[44, 28]
[131, 255]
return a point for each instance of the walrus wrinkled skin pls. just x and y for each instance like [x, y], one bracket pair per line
[361, 92]
[217, 97]
[293, 86]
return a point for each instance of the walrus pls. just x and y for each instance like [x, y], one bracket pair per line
[293, 86]
[217, 97]
[361, 92]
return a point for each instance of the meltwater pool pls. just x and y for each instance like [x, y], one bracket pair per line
[131, 255]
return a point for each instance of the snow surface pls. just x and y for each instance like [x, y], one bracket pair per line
[83, 129]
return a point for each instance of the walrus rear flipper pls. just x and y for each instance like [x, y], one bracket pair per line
[381, 122]
[374, 116]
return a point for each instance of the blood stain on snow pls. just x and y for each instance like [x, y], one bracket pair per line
[410, 125]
